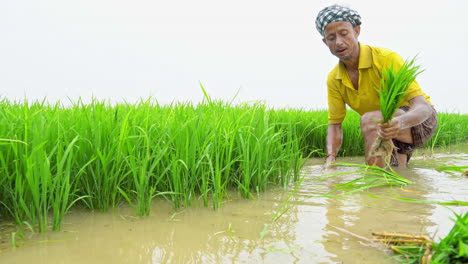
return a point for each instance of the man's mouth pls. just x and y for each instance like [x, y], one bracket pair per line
[340, 50]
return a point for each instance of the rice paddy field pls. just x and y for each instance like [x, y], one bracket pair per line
[126, 167]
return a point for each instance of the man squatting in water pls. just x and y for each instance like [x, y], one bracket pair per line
[353, 82]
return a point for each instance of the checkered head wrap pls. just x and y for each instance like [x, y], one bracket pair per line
[336, 13]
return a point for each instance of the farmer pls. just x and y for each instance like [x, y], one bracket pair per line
[354, 81]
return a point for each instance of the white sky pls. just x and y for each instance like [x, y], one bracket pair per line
[266, 50]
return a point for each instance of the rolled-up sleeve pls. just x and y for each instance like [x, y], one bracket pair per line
[336, 104]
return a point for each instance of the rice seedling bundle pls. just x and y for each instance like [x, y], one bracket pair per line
[394, 85]
[452, 249]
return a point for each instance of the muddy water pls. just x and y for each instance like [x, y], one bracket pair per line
[313, 230]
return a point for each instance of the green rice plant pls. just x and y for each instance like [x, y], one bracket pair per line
[62, 192]
[453, 169]
[394, 85]
[409, 253]
[101, 145]
[285, 207]
[453, 248]
[312, 128]
[408, 248]
[34, 183]
[139, 165]
[451, 130]
[294, 152]
[33, 173]
[100, 155]
[13, 240]
[447, 203]
[372, 176]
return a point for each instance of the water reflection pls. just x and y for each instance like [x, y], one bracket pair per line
[242, 231]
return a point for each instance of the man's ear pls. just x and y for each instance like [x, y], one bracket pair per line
[357, 31]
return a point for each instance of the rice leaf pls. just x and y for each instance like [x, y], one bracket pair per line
[453, 247]
[453, 169]
[394, 85]
[370, 177]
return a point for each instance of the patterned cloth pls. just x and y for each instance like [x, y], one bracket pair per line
[421, 134]
[336, 13]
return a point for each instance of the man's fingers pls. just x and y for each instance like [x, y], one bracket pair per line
[388, 133]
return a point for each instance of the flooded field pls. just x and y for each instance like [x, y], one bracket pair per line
[315, 229]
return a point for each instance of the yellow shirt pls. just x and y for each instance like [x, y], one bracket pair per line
[341, 91]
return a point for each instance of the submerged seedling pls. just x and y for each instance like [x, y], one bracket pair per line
[264, 230]
[230, 233]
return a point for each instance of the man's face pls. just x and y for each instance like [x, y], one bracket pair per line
[342, 40]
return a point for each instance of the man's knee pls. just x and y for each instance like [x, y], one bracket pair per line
[368, 120]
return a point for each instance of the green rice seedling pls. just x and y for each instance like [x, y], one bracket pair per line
[188, 147]
[13, 240]
[263, 233]
[409, 253]
[283, 208]
[103, 146]
[255, 146]
[372, 176]
[34, 186]
[394, 85]
[407, 248]
[312, 128]
[61, 185]
[453, 248]
[99, 155]
[33, 175]
[230, 232]
[451, 130]
[295, 153]
[140, 163]
[448, 203]
[454, 169]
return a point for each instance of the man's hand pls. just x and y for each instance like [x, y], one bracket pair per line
[334, 140]
[389, 130]
[330, 162]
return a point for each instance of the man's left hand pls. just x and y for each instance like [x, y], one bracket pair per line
[390, 129]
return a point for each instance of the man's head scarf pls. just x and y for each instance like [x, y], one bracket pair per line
[336, 13]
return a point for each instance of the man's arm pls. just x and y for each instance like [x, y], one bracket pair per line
[420, 111]
[334, 141]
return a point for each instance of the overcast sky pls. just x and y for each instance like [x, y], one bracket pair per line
[265, 50]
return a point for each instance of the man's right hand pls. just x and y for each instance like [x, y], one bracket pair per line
[334, 140]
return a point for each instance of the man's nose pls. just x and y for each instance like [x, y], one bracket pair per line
[339, 40]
